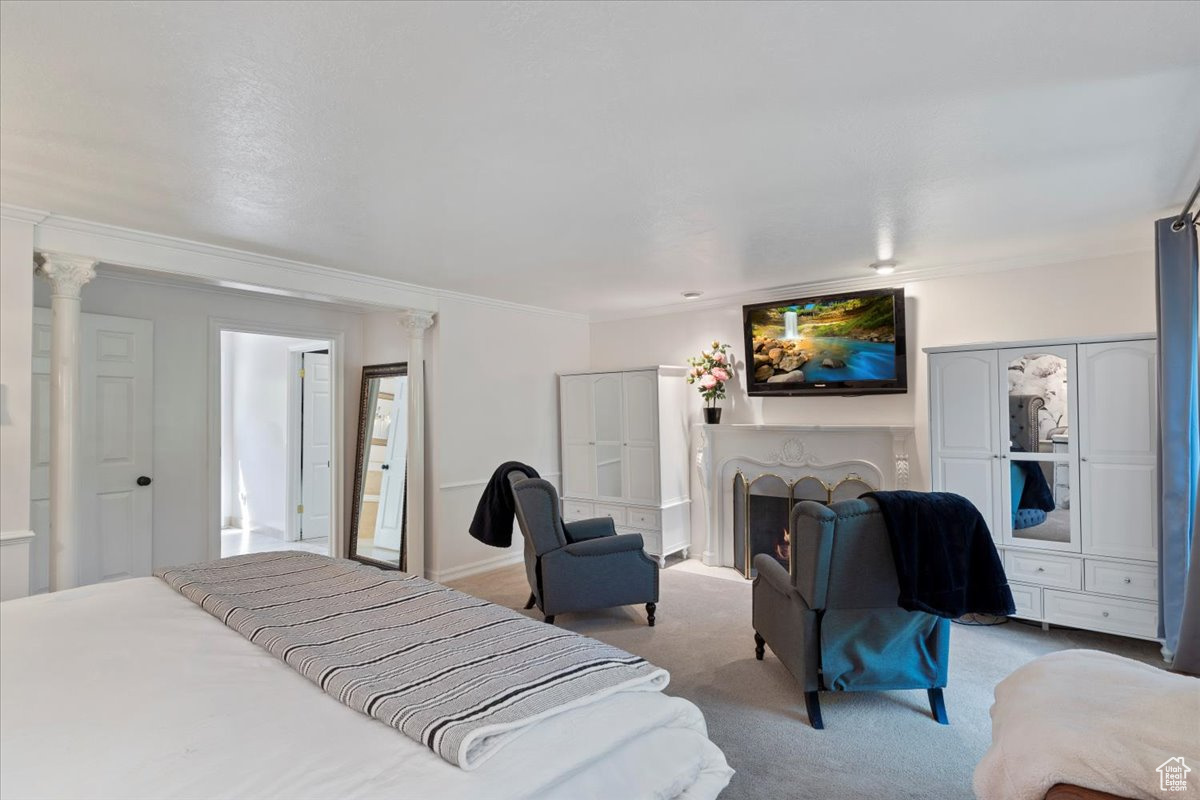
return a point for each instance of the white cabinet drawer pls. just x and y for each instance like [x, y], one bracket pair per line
[616, 513]
[1056, 571]
[651, 540]
[1128, 617]
[1027, 599]
[1128, 580]
[573, 510]
[645, 518]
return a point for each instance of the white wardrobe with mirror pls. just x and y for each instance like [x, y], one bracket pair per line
[1056, 443]
[624, 439]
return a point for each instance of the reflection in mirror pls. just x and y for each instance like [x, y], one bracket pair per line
[377, 523]
[1037, 403]
[608, 470]
[1041, 501]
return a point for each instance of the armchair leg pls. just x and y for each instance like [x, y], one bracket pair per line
[531, 602]
[549, 619]
[937, 704]
[812, 704]
[650, 613]
[759, 644]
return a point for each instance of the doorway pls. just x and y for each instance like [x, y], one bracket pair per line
[277, 443]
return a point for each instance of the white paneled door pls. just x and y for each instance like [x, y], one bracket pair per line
[641, 436]
[578, 436]
[965, 429]
[317, 444]
[1118, 411]
[116, 448]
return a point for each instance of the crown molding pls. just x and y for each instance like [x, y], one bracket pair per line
[230, 268]
[863, 283]
[22, 214]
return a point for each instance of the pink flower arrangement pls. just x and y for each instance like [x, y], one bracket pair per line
[711, 370]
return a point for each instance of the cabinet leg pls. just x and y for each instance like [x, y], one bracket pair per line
[662, 562]
[1045, 626]
[685, 553]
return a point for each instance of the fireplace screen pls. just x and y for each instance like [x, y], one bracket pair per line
[762, 509]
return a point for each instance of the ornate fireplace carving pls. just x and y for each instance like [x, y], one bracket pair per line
[825, 463]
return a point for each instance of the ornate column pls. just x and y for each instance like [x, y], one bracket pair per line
[67, 274]
[416, 323]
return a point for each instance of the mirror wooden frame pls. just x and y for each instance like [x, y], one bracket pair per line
[369, 373]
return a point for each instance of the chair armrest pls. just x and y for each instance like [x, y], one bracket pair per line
[606, 545]
[584, 529]
[773, 573]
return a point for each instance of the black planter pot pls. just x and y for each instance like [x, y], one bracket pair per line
[712, 415]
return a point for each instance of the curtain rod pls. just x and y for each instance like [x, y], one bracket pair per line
[1178, 224]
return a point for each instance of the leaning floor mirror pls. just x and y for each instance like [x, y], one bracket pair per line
[377, 527]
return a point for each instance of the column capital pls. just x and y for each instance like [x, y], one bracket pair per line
[417, 322]
[66, 273]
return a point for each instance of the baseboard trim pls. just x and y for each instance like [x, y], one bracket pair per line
[476, 567]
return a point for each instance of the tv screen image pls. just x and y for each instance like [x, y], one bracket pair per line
[835, 344]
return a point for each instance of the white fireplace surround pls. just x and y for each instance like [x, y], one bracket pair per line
[878, 454]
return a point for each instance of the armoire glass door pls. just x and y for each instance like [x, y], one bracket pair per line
[1039, 449]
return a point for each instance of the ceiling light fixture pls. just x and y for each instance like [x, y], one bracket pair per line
[884, 267]
[691, 295]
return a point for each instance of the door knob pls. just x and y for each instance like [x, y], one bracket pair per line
[143, 481]
[385, 466]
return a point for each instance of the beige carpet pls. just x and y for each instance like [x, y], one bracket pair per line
[875, 745]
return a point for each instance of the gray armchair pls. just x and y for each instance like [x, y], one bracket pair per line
[835, 623]
[579, 566]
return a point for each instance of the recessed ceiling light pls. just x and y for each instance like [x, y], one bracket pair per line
[884, 267]
[691, 295]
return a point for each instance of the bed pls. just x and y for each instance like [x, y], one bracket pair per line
[131, 690]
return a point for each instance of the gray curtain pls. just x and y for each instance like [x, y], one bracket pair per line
[1179, 442]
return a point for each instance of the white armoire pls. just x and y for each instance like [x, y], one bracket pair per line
[1083, 413]
[624, 439]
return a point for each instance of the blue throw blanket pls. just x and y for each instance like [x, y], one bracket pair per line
[946, 563]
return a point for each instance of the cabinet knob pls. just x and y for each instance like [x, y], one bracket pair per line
[1129, 580]
[143, 480]
[995, 456]
[1041, 569]
[1104, 613]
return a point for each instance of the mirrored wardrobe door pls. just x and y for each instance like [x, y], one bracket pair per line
[377, 534]
[1038, 411]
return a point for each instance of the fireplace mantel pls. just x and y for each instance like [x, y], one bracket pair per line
[878, 453]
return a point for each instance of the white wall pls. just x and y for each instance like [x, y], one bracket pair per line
[16, 370]
[1110, 295]
[16, 367]
[493, 398]
[181, 319]
[254, 427]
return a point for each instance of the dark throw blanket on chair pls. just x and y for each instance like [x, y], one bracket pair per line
[493, 522]
[946, 562]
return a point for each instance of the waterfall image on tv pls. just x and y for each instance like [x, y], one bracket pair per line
[837, 344]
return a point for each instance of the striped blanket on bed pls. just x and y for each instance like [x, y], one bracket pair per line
[456, 673]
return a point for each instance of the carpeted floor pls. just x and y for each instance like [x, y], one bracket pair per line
[876, 745]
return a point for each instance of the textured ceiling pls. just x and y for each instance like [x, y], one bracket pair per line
[604, 157]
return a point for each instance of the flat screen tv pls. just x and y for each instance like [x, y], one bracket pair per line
[847, 344]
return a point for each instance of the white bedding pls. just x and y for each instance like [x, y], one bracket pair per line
[128, 690]
[1090, 719]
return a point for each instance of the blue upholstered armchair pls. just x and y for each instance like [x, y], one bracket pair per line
[582, 565]
[834, 623]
